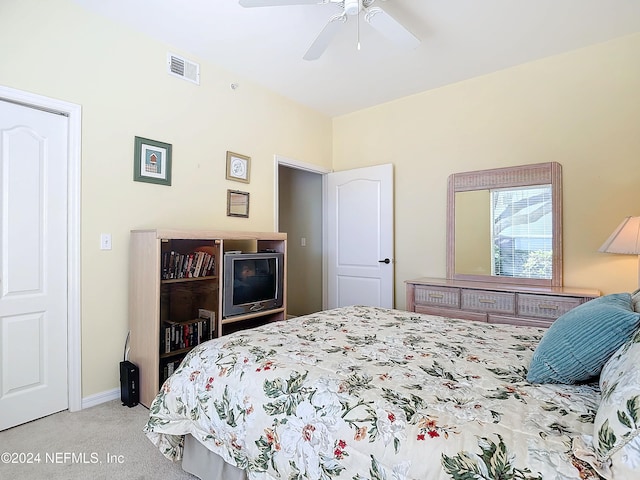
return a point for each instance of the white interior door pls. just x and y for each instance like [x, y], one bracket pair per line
[33, 264]
[360, 267]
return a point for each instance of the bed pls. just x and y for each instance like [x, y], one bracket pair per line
[370, 393]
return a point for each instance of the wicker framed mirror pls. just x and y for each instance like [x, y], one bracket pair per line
[505, 225]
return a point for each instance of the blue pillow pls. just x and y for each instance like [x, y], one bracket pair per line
[578, 344]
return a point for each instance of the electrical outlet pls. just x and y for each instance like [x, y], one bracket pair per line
[303, 241]
[105, 241]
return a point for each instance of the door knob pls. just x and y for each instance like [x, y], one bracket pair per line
[386, 260]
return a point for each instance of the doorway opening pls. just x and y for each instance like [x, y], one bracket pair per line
[300, 214]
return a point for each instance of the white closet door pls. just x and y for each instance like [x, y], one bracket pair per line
[33, 264]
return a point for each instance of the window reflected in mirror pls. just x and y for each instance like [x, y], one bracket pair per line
[522, 232]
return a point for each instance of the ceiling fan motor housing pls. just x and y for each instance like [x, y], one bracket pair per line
[352, 7]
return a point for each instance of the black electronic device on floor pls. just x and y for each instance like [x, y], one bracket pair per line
[129, 384]
[129, 380]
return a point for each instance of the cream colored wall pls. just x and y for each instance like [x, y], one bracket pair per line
[119, 77]
[581, 109]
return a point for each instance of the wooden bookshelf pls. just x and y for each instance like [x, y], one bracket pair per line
[161, 296]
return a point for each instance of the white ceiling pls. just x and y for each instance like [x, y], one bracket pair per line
[460, 39]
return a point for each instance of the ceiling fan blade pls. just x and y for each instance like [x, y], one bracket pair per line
[276, 3]
[390, 28]
[322, 41]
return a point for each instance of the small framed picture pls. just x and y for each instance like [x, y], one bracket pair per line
[152, 161]
[237, 203]
[238, 167]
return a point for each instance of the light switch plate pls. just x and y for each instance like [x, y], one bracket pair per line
[105, 241]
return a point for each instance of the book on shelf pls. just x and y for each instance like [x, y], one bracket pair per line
[187, 334]
[198, 260]
[167, 368]
[210, 317]
[165, 266]
[169, 259]
[211, 264]
[187, 265]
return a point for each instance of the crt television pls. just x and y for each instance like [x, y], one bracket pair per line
[252, 282]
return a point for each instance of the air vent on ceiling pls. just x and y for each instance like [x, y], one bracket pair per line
[183, 68]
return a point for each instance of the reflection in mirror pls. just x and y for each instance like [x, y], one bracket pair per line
[510, 232]
[473, 248]
[505, 225]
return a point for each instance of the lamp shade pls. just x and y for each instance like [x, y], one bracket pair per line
[625, 239]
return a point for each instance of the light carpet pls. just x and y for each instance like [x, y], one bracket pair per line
[101, 442]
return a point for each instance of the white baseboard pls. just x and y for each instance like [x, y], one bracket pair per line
[102, 397]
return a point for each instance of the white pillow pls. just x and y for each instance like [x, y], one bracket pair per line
[635, 300]
[614, 449]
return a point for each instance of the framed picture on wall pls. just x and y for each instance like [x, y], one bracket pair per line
[152, 161]
[238, 167]
[237, 203]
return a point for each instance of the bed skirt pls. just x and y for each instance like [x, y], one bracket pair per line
[198, 460]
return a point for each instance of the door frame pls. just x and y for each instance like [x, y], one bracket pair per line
[280, 160]
[74, 339]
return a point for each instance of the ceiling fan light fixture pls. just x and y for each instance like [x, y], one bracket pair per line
[352, 7]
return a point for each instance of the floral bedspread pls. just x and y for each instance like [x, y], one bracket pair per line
[368, 393]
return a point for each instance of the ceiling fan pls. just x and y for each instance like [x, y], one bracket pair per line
[375, 16]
